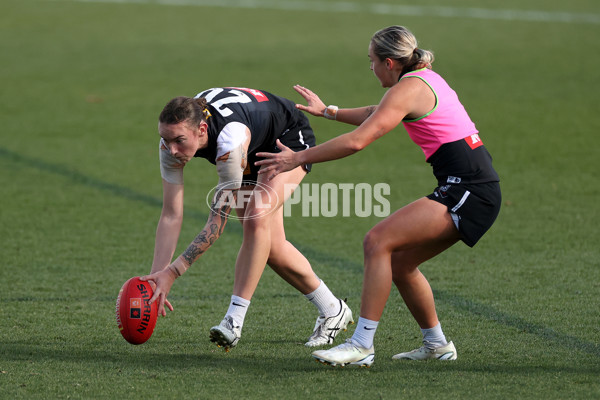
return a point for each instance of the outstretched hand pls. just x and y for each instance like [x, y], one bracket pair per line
[315, 105]
[161, 283]
[276, 163]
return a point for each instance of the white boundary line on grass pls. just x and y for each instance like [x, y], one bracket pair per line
[377, 8]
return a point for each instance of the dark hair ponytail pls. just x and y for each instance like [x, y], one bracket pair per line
[182, 109]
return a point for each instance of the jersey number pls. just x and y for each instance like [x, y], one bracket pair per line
[234, 96]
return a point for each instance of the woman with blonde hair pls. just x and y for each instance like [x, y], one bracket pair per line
[462, 207]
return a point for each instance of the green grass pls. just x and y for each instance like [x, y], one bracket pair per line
[82, 85]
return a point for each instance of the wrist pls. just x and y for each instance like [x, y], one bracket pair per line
[299, 158]
[178, 267]
[330, 112]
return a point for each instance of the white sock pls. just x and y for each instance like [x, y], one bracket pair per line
[434, 337]
[365, 332]
[238, 307]
[325, 301]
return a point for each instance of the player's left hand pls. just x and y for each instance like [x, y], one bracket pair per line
[162, 282]
[276, 163]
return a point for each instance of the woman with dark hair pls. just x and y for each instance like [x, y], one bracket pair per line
[228, 126]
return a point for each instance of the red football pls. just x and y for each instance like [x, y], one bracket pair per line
[135, 317]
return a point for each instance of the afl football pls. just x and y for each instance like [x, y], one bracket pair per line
[136, 319]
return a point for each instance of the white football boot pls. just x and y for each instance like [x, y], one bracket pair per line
[447, 352]
[346, 353]
[326, 329]
[226, 334]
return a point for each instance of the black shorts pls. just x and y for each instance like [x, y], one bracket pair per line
[474, 207]
[299, 138]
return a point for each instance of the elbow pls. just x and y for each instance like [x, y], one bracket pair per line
[357, 145]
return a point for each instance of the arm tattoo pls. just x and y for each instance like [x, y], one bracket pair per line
[219, 212]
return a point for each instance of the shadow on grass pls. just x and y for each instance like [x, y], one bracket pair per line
[489, 313]
[123, 356]
[152, 361]
[88, 181]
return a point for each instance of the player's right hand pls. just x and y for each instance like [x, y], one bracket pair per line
[315, 105]
[161, 283]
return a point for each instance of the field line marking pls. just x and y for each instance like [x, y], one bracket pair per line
[378, 9]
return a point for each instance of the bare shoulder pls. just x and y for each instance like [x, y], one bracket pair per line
[412, 96]
[399, 98]
[409, 86]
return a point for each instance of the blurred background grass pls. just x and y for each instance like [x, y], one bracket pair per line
[83, 83]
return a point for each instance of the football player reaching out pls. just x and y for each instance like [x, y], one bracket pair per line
[462, 207]
[228, 126]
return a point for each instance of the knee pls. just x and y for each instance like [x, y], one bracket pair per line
[374, 244]
[255, 226]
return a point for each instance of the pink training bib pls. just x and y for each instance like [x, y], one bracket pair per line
[447, 122]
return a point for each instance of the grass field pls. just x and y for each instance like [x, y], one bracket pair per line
[82, 85]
